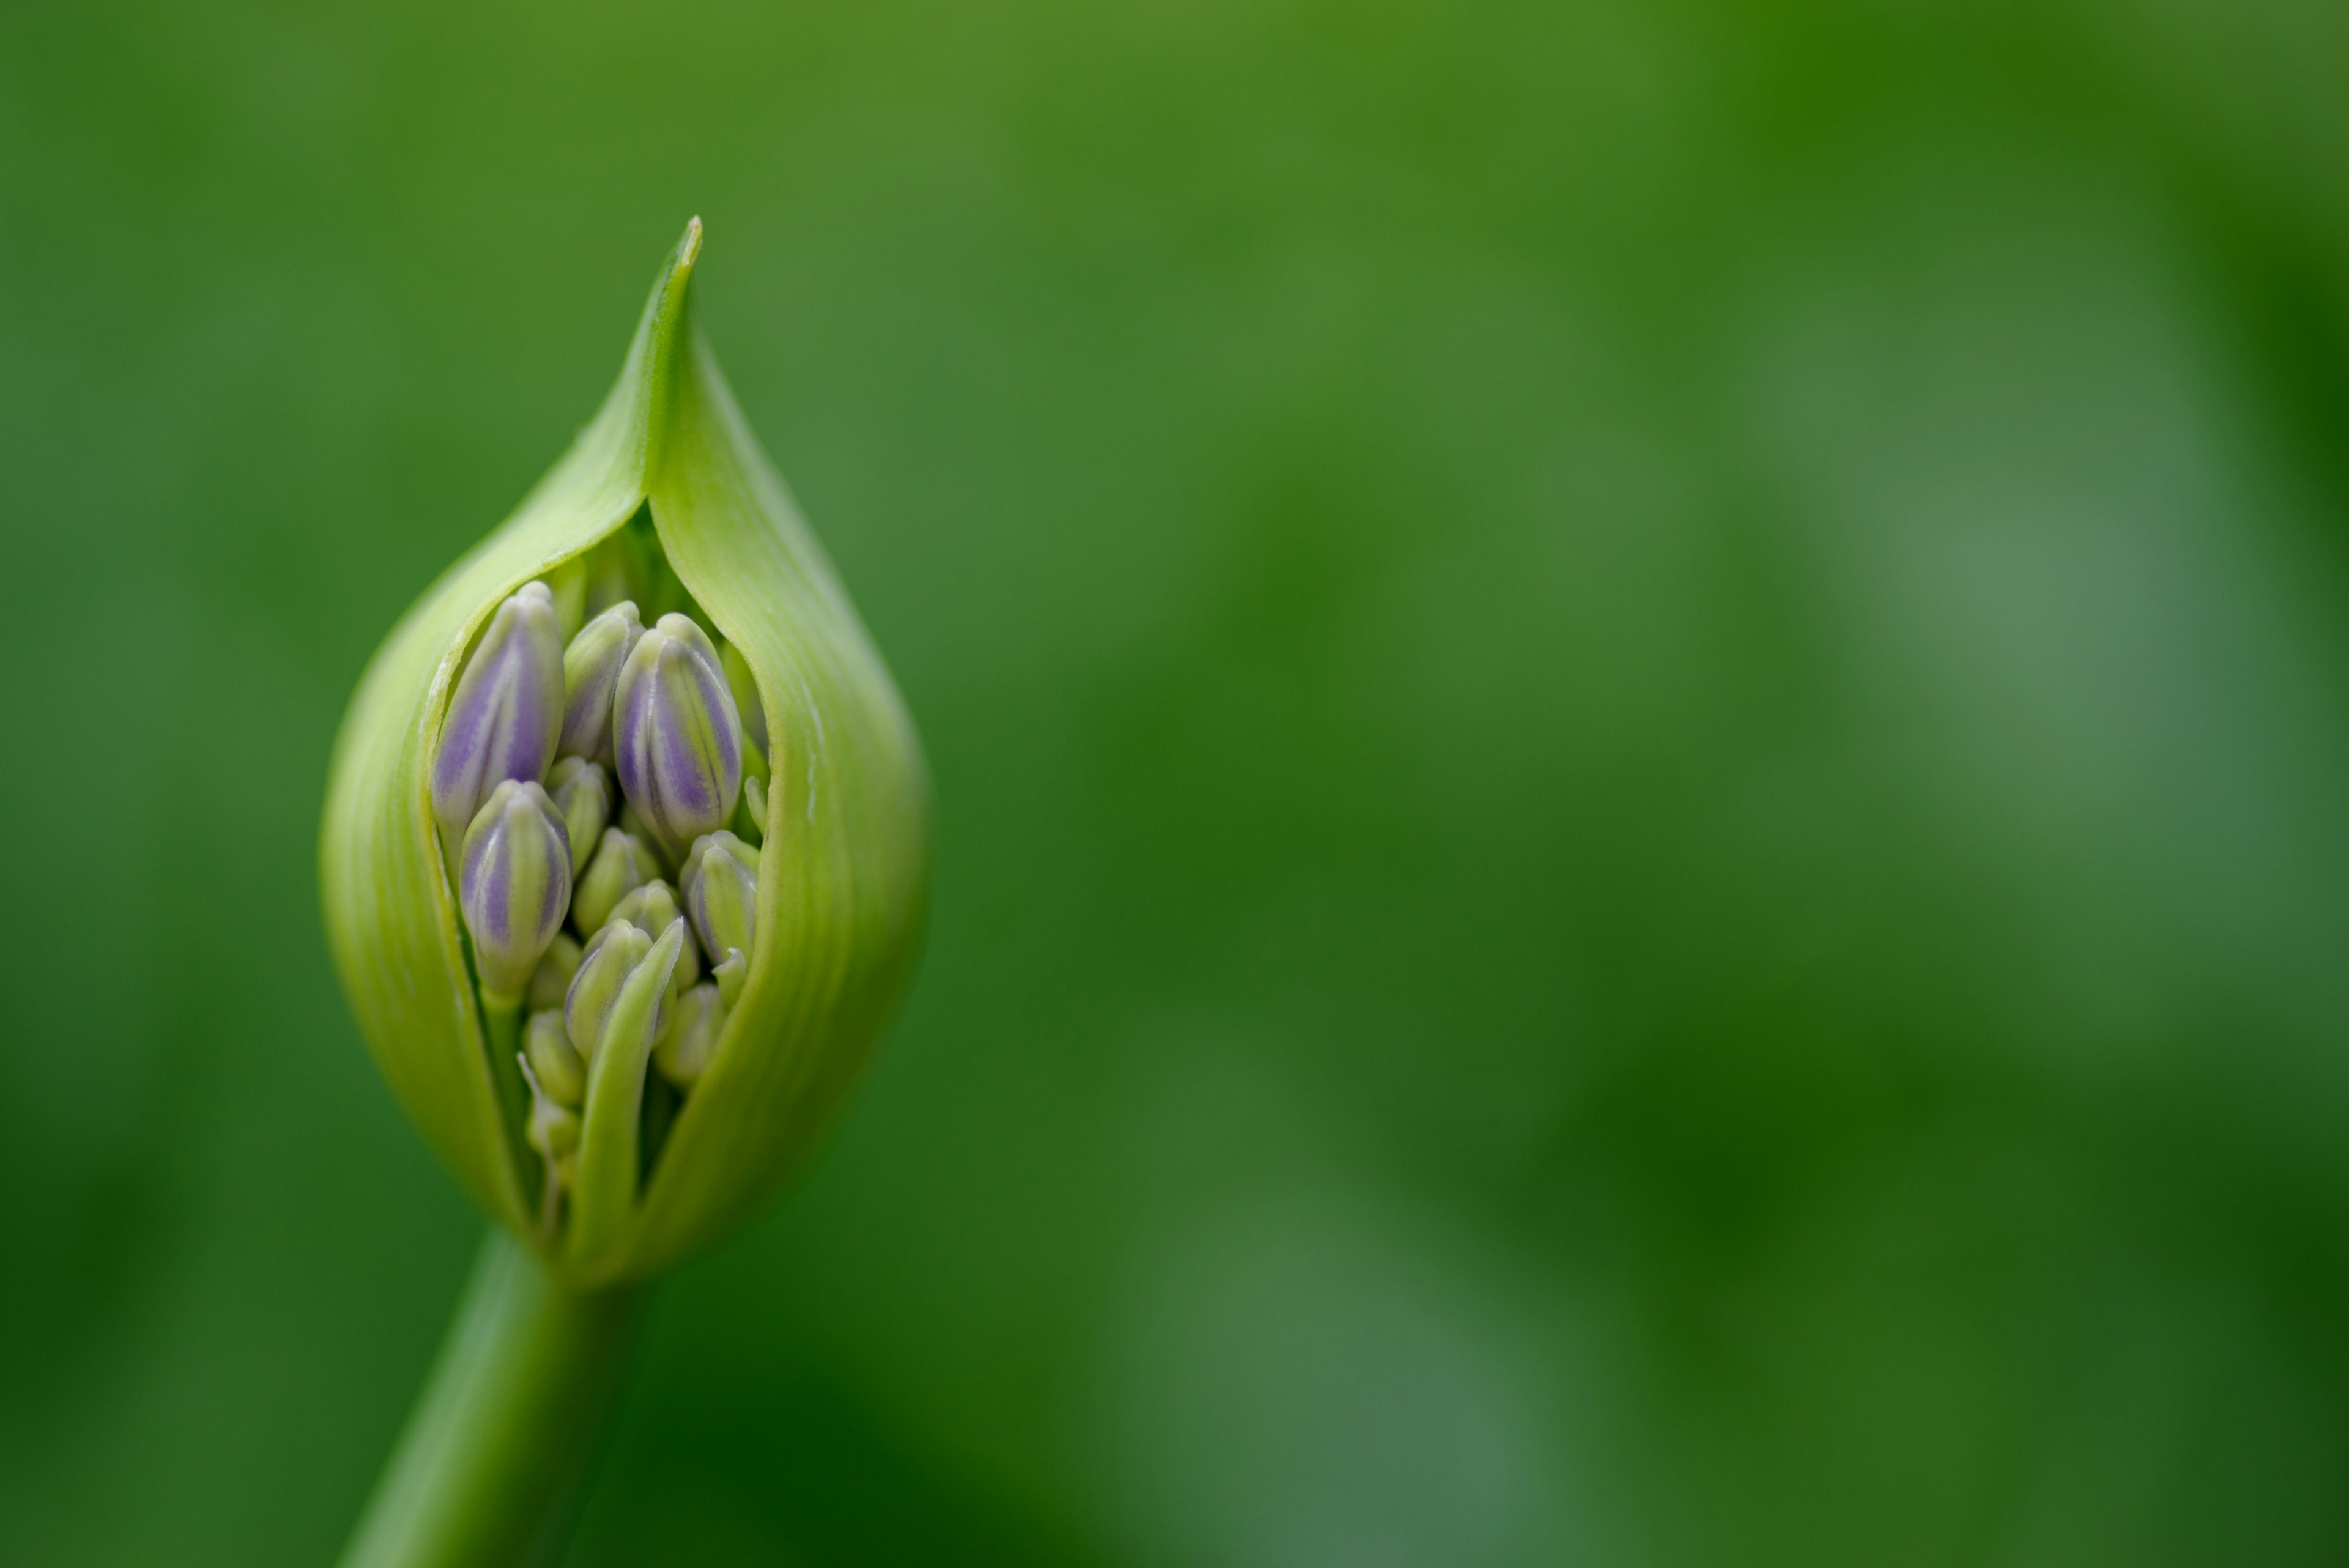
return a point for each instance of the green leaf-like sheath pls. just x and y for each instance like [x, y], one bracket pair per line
[844, 873]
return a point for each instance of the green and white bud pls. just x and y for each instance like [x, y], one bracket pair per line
[729, 973]
[583, 793]
[720, 882]
[514, 883]
[684, 1052]
[591, 673]
[650, 909]
[622, 865]
[556, 1064]
[551, 979]
[750, 821]
[664, 500]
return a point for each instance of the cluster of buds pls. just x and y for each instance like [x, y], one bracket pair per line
[625, 849]
[542, 837]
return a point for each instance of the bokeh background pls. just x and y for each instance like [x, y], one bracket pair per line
[1640, 712]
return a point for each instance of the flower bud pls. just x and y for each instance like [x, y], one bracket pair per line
[745, 688]
[664, 500]
[720, 881]
[551, 979]
[622, 865]
[684, 1052]
[730, 975]
[514, 883]
[750, 821]
[650, 909]
[583, 793]
[506, 713]
[612, 955]
[590, 671]
[554, 1063]
[676, 734]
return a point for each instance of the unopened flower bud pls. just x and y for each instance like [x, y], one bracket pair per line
[622, 865]
[611, 957]
[551, 979]
[720, 882]
[583, 792]
[514, 883]
[506, 713]
[745, 688]
[554, 1063]
[591, 672]
[676, 735]
[685, 1051]
[729, 973]
[750, 821]
[664, 500]
[650, 909]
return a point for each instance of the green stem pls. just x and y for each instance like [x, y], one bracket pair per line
[495, 1459]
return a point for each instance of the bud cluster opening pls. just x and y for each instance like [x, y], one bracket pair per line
[601, 790]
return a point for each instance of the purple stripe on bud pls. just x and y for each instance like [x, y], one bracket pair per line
[590, 671]
[513, 882]
[676, 738]
[506, 713]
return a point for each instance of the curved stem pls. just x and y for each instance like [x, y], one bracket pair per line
[494, 1462]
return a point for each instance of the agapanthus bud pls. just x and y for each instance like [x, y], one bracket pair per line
[750, 821]
[745, 687]
[676, 734]
[665, 500]
[622, 865]
[650, 909]
[583, 793]
[684, 1052]
[514, 883]
[507, 710]
[720, 882]
[729, 973]
[554, 1063]
[591, 672]
[550, 980]
[611, 956]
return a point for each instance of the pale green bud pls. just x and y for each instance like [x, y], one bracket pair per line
[554, 1063]
[515, 884]
[622, 865]
[591, 673]
[650, 909]
[665, 500]
[551, 979]
[750, 821]
[583, 793]
[739, 681]
[610, 957]
[685, 1051]
[729, 973]
[720, 882]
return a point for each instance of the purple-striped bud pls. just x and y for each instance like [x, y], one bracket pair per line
[721, 883]
[513, 882]
[591, 672]
[676, 735]
[507, 710]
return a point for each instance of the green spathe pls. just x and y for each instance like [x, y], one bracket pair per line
[843, 875]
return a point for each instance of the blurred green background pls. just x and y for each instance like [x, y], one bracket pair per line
[1640, 712]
